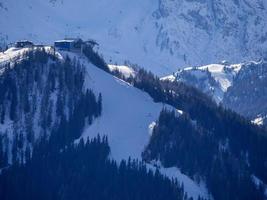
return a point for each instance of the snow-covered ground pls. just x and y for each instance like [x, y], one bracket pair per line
[13, 53]
[190, 186]
[259, 120]
[220, 74]
[127, 119]
[126, 71]
[223, 74]
[259, 182]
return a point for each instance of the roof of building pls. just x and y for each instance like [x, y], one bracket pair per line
[69, 40]
[65, 41]
[23, 41]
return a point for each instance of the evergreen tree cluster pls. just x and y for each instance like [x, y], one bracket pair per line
[3, 153]
[83, 171]
[41, 95]
[95, 58]
[203, 155]
[244, 138]
[193, 148]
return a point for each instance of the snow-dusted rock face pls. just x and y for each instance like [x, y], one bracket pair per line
[240, 87]
[159, 35]
[248, 94]
[213, 79]
[207, 31]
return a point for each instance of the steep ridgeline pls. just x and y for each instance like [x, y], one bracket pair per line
[158, 34]
[207, 142]
[42, 96]
[240, 87]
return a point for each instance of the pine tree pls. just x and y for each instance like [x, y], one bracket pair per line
[99, 104]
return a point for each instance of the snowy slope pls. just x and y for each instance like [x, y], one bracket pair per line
[160, 35]
[126, 71]
[126, 119]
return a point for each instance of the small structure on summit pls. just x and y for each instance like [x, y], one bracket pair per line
[23, 44]
[69, 44]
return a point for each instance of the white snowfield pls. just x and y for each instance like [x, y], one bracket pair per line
[128, 117]
[219, 73]
[125, 70]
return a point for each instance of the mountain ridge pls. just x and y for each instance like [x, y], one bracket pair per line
[240, 87]
[159, 35]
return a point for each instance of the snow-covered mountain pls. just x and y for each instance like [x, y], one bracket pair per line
[128, 114]
[248, 94]
[50, 93]
[160, 35]
[240, 87]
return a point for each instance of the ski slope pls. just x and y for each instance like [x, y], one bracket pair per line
[128, 115]
[127, 119]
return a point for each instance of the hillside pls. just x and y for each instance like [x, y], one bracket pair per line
[126, 116]
[72, 96]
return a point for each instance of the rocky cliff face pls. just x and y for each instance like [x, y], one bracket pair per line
[248, 94]
[240, 87]
[160, 35]
[204, 31]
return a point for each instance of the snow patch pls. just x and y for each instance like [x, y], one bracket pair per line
[128, 118]
[151, 128]
[125, 70]
[258, 121]
[192, 188]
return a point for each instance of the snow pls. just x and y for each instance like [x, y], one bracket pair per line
[168, 78]
[127, 114]
[217, 72]
[259, 182]
[66, 40]
[128, 118]
[11, 54]
[191, 187]
[156, 34]
[125, 70]
[151, 128]
[258, 121]
[223, 74]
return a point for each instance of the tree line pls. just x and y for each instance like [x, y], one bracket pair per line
[84, 171]
[201, 154]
